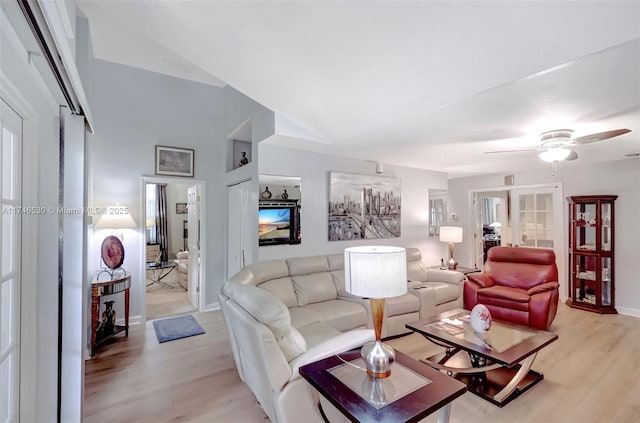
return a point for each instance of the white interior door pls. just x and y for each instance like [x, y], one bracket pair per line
[10, 280]
[193, 242]
[538, 221]
[478, 241]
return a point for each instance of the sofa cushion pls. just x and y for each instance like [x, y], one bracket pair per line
[317, 333]
[269, 270]
[268, 309]
[181, 255]
[314, 288]
[416, 271]
[283, 289]
[302, 316]
[402, 304]
[338, 281]
[343, 315]
[505, 297]
[307, 265]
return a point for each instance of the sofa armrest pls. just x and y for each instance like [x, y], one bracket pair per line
[481, 279]
[344, 342]
[547, 286]
[446, 276]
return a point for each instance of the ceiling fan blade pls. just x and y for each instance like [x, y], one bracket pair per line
[572, 156]
[600, 136]
[512, 151]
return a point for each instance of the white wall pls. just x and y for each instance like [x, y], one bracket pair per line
[134, 111]
[621, 177]
[313, 169]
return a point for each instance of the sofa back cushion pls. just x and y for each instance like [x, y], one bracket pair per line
[314, 288]
[416, 270]
[307, 265]
[283, 289]
[272, 312]
[521, 267]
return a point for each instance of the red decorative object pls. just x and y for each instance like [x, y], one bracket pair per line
[112, 252]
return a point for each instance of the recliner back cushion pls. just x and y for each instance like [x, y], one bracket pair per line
[268, 270]
[416, 271]
[314, 288]
[521, 267]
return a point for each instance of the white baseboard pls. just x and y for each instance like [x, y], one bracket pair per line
[633, 312]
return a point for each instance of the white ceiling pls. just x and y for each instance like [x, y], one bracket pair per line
[427, 84]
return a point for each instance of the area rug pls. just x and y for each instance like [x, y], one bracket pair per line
[176, 328]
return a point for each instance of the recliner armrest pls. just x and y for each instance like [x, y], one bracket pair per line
[344, 342]
[481, 279]
[547, 286]
[446, 276]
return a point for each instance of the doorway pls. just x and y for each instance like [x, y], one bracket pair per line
[174, 258]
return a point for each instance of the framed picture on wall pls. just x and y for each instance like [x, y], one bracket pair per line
[173, 161]
[181, 208]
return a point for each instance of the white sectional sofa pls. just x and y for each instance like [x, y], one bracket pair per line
[283, 314]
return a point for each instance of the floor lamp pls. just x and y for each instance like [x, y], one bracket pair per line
[376, 272]
[451, 234]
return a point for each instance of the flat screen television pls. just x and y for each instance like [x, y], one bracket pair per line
[276, 225]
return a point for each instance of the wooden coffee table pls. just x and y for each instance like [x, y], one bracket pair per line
[412, 392]
[495, 365]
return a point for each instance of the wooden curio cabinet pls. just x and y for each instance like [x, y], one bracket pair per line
[591, 253]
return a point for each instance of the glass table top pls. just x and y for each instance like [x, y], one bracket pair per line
[499, 338]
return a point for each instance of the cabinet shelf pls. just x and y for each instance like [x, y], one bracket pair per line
[591, 253]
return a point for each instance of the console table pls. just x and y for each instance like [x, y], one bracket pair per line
[431, 390]
[99, 289]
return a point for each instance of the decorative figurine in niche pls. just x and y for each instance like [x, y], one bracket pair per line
[285, 195]
[244, 160]
[266, 194]
[107, 325]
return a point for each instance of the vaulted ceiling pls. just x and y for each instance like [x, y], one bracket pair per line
[430, 84]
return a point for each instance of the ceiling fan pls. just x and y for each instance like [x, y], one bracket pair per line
[554, 144]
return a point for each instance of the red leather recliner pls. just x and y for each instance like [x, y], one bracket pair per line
[518, 285]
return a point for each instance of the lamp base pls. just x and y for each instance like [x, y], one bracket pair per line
[452, 264]
[378, 358]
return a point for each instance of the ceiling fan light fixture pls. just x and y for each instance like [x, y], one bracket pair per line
[555, 154]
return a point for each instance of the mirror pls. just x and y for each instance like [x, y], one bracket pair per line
[279, 208]
[437, 211]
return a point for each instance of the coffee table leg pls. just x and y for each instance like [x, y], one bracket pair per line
[444, 413]
[525, 366]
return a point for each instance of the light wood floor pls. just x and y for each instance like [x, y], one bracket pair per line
[167, 299]
[592, 374]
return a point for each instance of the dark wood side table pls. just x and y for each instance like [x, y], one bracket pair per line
[461, 269]
[436, 393]
[99, 289]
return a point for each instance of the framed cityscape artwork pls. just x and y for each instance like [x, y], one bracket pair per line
[363, 207]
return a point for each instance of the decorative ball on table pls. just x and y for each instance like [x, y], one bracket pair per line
[480, 318]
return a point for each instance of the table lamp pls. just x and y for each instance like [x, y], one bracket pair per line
[376, 272]
[451, 234]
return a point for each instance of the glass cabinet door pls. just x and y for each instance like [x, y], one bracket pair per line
[606, 226]
[586, 281]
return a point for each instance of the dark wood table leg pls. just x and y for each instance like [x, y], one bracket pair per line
[126, 312]
[95, 310]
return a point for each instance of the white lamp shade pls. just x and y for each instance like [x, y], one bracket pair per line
[375, 271]
[555, 154]
[116, 217]
[496, 225]
[450, 234]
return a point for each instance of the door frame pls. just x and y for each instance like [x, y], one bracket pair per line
[558, 208]
[203, 230]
